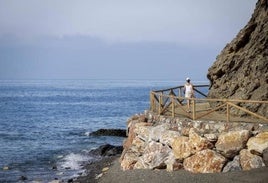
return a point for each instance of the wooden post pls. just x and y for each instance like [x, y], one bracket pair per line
[160, 103]
[194, 109]
[173, 106]
[228, 112]
[151, 101]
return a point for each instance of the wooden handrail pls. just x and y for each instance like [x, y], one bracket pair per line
[165, 100]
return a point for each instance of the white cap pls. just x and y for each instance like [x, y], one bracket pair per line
[187, 79]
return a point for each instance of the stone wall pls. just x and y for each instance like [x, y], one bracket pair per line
[158, 142]
[241, 69]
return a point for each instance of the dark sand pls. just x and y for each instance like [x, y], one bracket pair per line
[116, 175]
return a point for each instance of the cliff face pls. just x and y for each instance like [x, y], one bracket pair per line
[241, 69]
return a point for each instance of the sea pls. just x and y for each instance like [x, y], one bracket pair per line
[45, 124]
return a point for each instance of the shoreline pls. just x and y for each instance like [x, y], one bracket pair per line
[114, 174]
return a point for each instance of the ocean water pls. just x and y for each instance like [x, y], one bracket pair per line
[46, 123]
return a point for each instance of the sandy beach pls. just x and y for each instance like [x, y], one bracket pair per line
[114, 174]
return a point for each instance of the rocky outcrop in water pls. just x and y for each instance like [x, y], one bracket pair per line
[241, 69]
[159, 142]
[109, 132]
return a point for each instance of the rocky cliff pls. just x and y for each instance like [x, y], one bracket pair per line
[241, 69]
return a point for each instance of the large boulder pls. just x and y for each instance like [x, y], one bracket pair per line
[258, 143]
[230, 143]
[249, 161]
[241, 69]
[206, 161]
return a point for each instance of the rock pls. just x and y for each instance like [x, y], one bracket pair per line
[265, 156]
[53, 181]
[143, 131]
[241, 69]
[157, 131]
[206, 161]
[154, 156]
[249, 161]
[129, 159]
[107, 150]
[105, 169]
[172, 164]
[23, 178]
[109, 132]
[5, 168]
[233, 165]
[70, 180]
[258, 143]
[130, 133]
[197, 142]
[211, 137]
[168, 137]
[230, 143]
[181, 147]
[99, 176]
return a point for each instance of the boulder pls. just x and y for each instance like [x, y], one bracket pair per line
[233, 165]
[107, 150]
[128, 160]
[249, 161]
[109, 132]
[181, 147]
[258, 143]
[197, 142]
[168, 137]
[157, 131]
[155, 155]
[265, 156]
[230, 143]
[206, 161]
[143, 131]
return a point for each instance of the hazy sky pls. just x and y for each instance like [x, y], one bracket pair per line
[114, 39]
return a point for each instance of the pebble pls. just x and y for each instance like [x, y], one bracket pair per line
[99, 176]
[105, 169]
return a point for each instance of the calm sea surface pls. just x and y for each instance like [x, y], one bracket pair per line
[45, 123]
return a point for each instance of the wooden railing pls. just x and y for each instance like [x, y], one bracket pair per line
[171, 101]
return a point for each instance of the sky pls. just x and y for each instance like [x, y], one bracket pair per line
[118, 39]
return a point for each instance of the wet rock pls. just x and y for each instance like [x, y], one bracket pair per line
[23, 178]
[109, 132]
[107, 150]
[5, 168]
[70, 180]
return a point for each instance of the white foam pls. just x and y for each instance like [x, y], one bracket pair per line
[74, 161]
